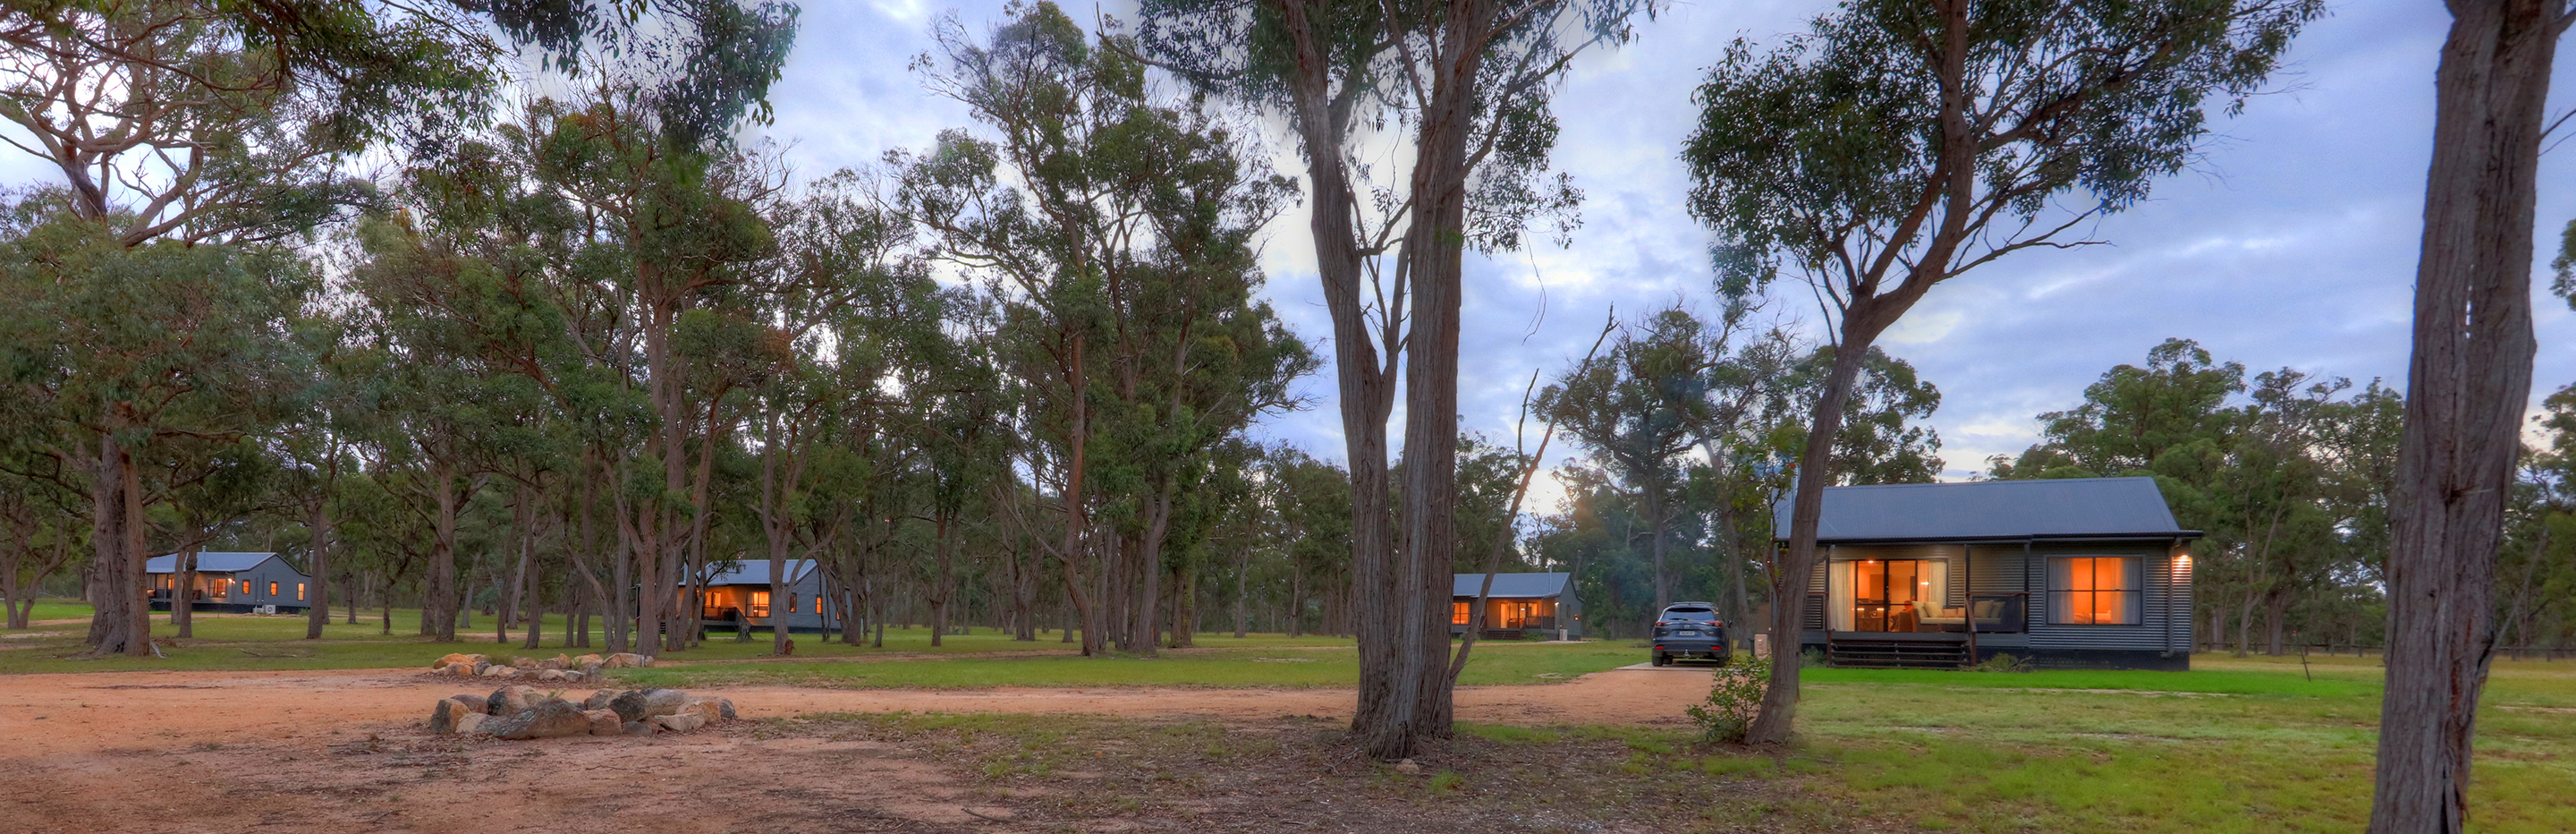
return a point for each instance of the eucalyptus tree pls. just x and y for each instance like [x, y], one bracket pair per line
[1471, 81]
[1125, 272]
[203, 125]
[1637, 410]
[2468, 386]
[1896, 145]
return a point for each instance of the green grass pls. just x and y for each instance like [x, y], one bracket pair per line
[2236, 745]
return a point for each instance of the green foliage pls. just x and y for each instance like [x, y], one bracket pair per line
[1735, 698]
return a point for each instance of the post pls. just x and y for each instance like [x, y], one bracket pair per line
[1968, 570]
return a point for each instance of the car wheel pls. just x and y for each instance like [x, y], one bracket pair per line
[1662, 660]
[1724, 658]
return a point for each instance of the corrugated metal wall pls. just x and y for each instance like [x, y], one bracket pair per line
[2165, 599]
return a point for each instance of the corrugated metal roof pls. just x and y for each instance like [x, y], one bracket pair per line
[1511, 584]
[208, 562]
[756, 572]
[2067, 507]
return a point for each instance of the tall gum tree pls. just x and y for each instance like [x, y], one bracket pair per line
[1898, 144]
[2468, 384]
[1469, 80]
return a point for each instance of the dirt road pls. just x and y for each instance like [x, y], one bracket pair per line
[49, 714]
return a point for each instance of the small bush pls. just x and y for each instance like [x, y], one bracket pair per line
[1733, 701]
[1811, 659]
[2002, 662]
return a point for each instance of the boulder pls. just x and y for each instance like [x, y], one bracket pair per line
[707, 711]
[476, 703]
[524, 662]
[548, 719]
[550, 675]
[680, 723]
[600, 699]
[481, 665]
[558, 661]
[471, 723]
[589, 660]
[724, 709]
[627, 660]
[637, 728]
[603, 722]
[513, 700]
[499, 671]
[443, 717]
[467, 660]
[646, 703]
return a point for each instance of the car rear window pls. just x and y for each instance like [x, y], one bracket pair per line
[1690, 614]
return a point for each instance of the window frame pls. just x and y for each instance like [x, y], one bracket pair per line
[2061, 607]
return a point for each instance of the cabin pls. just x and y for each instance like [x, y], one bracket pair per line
[1520, 603]
[240, 583]
[2069, 573]
[736, 596]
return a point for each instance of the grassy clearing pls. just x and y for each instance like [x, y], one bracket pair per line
[2252, 745]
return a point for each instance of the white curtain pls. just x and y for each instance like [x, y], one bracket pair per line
[1838, 595]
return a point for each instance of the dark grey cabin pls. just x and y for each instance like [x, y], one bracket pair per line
[1520, 603]
[737, 595]
[2071, 573]
[240, 583]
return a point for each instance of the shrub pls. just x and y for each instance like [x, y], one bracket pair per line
[2002, 662]
[1733, 701]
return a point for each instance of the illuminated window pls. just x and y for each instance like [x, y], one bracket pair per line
[759, 604]
[2094, 590]
[791, 603]
[272, 589]
[299, 591]
[245, 587]
[1458, 613]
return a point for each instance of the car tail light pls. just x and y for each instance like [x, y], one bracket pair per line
[1662, 623]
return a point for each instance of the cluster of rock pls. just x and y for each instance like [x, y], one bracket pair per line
[522, 712]
[556, 668]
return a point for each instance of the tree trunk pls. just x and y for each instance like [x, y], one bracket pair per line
[317, 612]
[1797, 564]
[440, 604]
[183, 575]
[2468, 384]
[120, 622]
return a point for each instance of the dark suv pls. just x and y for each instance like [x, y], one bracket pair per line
[1689, 630]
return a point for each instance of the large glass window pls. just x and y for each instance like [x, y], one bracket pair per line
[1458, 613]
[2094, 590]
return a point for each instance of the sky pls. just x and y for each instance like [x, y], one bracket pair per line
[2290, 243]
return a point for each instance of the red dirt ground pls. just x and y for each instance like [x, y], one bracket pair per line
[342, 751]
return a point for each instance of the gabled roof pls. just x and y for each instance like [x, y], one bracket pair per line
[1511, 584]
[755, 572]
[2104, 508]
[208, 562]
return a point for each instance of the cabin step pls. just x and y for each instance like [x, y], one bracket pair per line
[1895, 654]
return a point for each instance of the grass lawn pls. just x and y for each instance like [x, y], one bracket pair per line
[1219, 663]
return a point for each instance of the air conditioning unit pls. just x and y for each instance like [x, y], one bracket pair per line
[267, 609]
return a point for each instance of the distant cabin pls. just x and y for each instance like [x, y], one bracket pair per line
[240, 583]
[1519, 604]
[2078, 572]
[738, 595]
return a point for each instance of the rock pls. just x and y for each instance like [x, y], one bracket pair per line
[589, 660]
[1408, 767]
[724, 709]
[471, 723]
[467, 660]
[600, 699]
[524, 662]
[550, 675]
[646, 703]
[706, 711]
[499, 671]
[680, 723]
[603, 722]
[475, 703]
[443, 717]
[627, 660]
[637, 728]
[549, 719]
[508, 701]
[481, 665]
